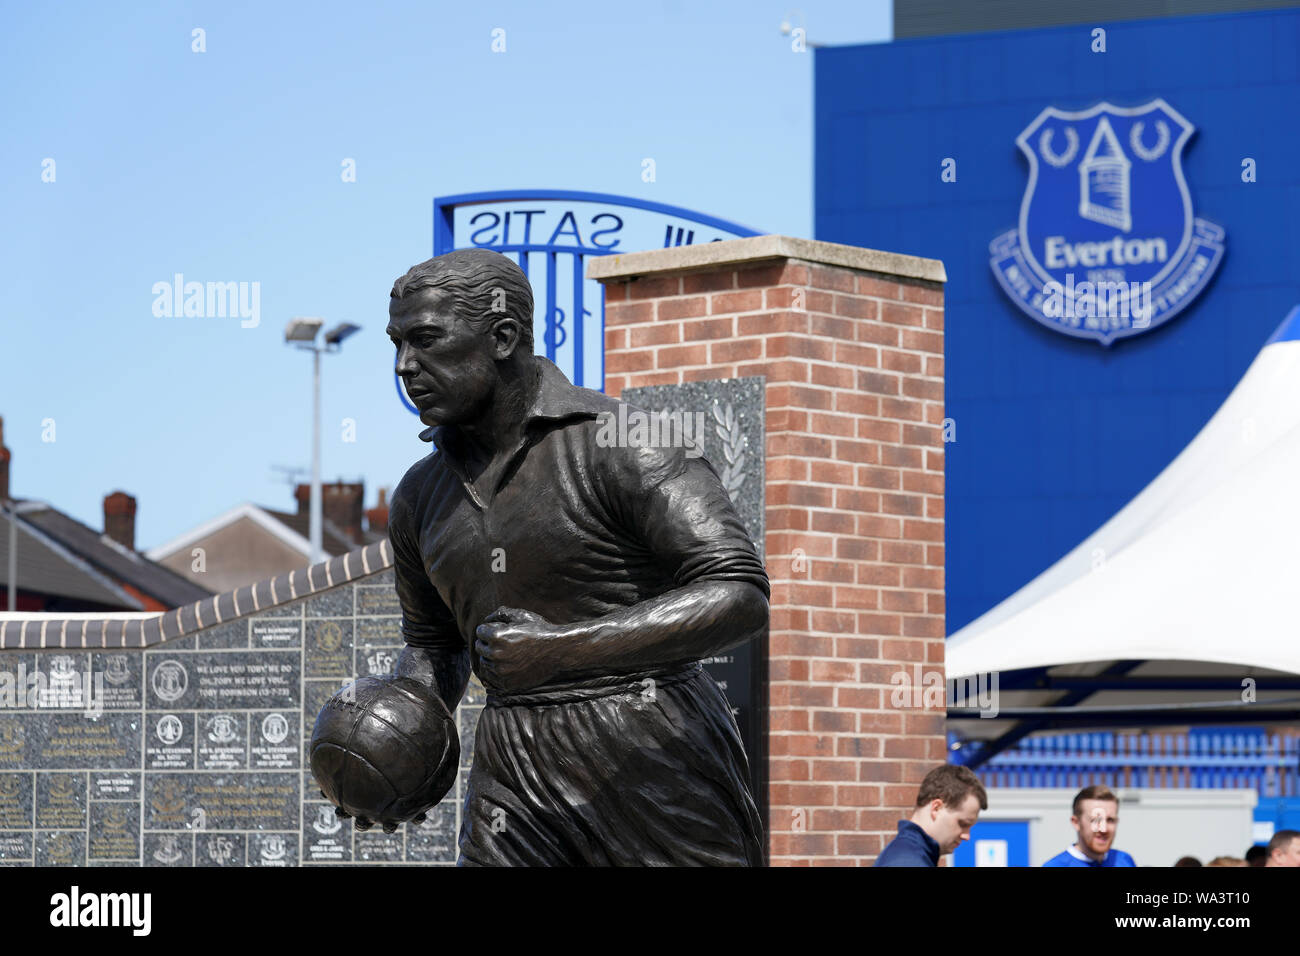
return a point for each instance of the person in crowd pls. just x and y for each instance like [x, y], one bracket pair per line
[947, 805]
[1284, 848]
[1095, 820]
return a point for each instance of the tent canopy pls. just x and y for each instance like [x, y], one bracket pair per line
[1203, 565]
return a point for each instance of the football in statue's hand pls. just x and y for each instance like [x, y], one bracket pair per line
[385, 750]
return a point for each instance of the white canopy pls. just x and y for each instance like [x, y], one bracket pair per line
[1203, 565]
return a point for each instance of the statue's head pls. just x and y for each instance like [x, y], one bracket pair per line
[458, 321]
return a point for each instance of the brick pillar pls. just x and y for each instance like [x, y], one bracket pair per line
[851, 344]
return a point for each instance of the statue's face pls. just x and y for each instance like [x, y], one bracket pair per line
[448, 369]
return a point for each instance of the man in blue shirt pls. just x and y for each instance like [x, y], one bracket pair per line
[947, 806]
[1095, 820]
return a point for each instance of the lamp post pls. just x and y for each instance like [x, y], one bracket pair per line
[12, 510]
[301, 333]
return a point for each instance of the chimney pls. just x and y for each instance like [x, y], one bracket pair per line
[119, 518]
[342, 502]
[377, 517]
[4, 464]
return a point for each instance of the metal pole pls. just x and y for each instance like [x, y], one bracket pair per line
[316, 554]
[13, 560]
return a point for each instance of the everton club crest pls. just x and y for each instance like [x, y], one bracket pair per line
[1107, 244]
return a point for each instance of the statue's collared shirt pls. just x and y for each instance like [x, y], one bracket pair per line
[573, 530]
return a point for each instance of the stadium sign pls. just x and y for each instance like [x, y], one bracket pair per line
[550, 233]
[1107, 244]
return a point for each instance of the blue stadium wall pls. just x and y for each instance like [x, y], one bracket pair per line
[1055, 434]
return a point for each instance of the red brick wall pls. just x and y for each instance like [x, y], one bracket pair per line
[854, 368]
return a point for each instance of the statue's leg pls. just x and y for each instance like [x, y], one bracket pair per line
[510, 817]
[676, 789]
[652, 775]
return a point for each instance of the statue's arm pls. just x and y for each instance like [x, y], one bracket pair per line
[721, 600]
[435, 653]
[690, 623]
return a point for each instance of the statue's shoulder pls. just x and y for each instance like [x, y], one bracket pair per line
[636, 448]
[415, 484]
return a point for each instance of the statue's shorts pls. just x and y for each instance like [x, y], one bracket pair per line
[638, 770]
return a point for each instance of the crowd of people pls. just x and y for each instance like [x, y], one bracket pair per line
[951, 797]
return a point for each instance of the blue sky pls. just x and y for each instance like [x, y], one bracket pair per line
[225, 166]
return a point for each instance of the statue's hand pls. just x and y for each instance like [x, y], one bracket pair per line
[390, 826]
[517, 649]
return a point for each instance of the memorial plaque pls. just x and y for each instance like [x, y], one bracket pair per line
[221, 801]
[16, 801]
[15, 849]
[376, 660]
[65, 682]
[14, 743]
[61, 740]
[273, 849]
[283, 632]
[329, 648]
[223, 741]
[275, 740]
[219, 849]
[168, 849]
[170, 742]
[60, 848]
[376, 601]
[114, 831]
[379, 632]
[61, 801]
[376, 846]
[114, 786]
[223, 680]
[325, 838]
[123, 679]
[167, 803]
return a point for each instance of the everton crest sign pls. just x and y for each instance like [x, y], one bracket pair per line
[1107, 245]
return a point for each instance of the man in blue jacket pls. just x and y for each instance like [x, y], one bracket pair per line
[947, 806]
[1095, 819]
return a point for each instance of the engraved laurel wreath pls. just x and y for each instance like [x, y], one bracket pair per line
[733, 448]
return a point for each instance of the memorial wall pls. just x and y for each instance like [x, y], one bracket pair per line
[170, 743]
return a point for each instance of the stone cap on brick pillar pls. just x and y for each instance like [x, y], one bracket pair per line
[731, 252]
